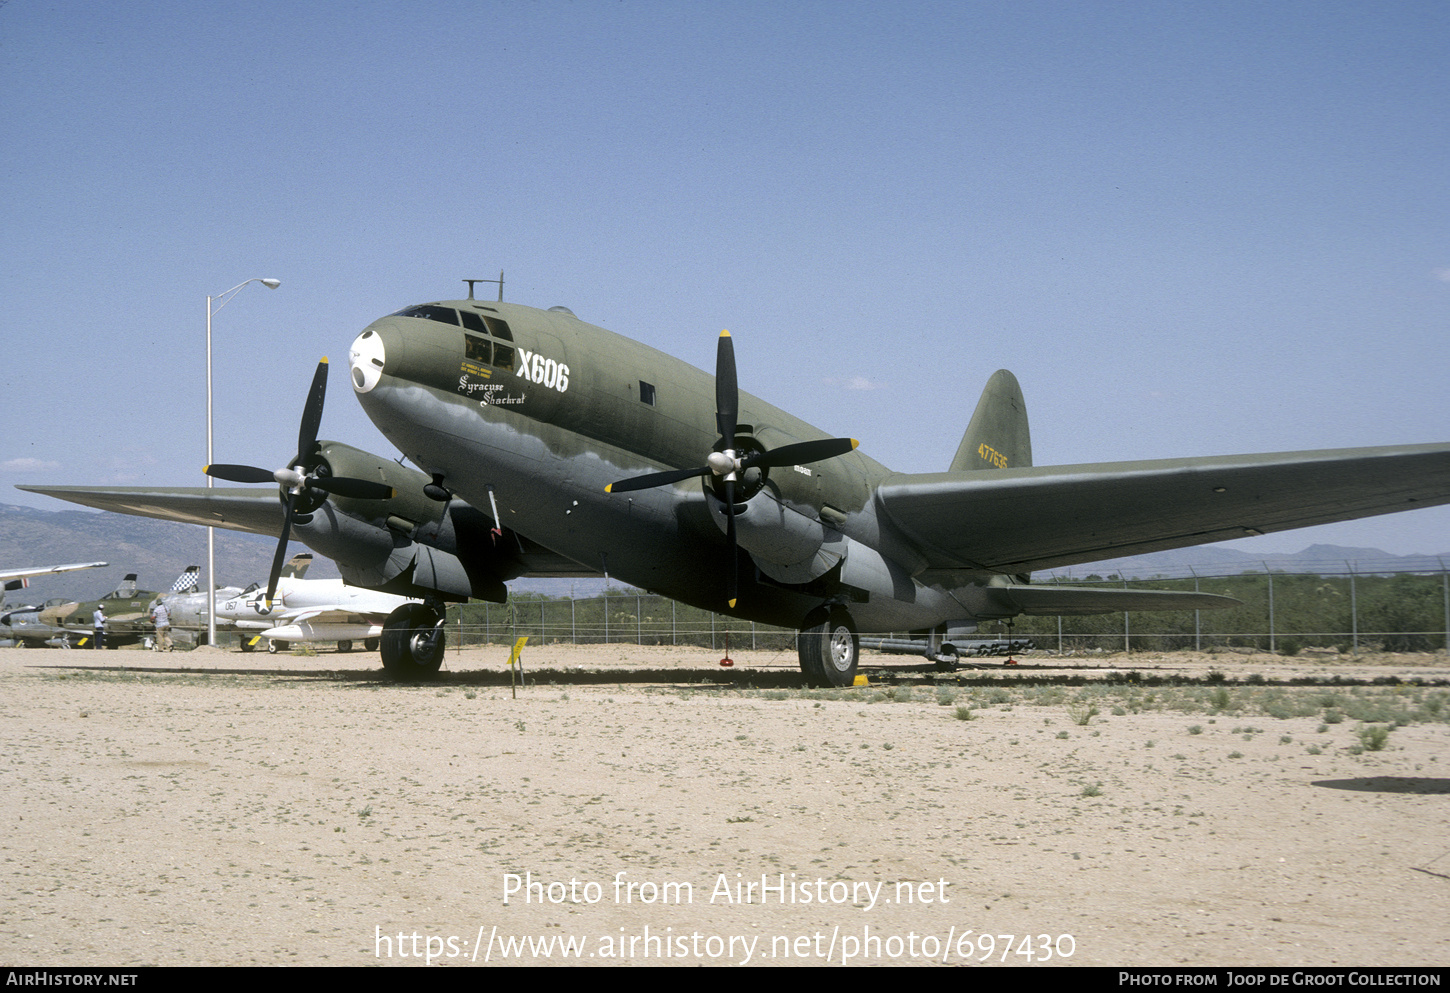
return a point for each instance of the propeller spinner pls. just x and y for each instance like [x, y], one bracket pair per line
[297, 479]
[728, 463]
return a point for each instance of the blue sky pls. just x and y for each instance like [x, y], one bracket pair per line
[1189, 229]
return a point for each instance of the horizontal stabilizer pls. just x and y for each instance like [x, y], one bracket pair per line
[1078, 600]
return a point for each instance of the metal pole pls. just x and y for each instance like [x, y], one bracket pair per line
[271, 284]
[1271, 605]
[1353, 610]
[1197, 618]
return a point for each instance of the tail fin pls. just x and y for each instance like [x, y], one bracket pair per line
[997, 436]
[127, 589]
[186, 582]
[297, 565]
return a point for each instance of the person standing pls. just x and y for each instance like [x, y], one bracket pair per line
[98, 623]
[162, 616]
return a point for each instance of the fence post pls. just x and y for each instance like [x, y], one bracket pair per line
[1270, 576]
[1197, 617]
[1353, 611]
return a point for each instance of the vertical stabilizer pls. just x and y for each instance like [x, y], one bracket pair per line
[297, 565]
[997, 436]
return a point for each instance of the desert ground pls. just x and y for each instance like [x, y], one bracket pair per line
[647, 805]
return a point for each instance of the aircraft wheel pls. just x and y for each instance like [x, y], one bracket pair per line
[412, 642]
[371, 644]
[246, 644]
[273, 647]
[344, 646]
[830, 650]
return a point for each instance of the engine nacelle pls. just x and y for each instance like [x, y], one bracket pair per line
[405, 545]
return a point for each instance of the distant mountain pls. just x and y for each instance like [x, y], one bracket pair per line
[157, 551]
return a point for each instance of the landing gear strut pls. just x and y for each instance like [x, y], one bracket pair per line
[412, 642]
[830, 650]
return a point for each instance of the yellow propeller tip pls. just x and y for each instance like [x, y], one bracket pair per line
[609, 488]
[724, 334]
[732, 604]
[324, 360]
[855, 443]
[204, 469]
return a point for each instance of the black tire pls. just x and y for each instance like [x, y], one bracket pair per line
[246, 644]
[344, 646]
[831, 650]
[371, 644]
[273, 647]
[412, 642]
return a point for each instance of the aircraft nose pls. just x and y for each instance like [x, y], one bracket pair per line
[366, 360]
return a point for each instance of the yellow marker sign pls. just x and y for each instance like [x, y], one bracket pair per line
[518, 651]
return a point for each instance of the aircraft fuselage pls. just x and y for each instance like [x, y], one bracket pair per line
[537, 412]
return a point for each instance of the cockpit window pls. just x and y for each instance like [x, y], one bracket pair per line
[477, 349]
[499, 329]
[429, 312]
[472, 321]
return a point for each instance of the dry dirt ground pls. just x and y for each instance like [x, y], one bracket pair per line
[214, 808]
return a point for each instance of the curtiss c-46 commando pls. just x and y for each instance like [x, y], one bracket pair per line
[550, 446]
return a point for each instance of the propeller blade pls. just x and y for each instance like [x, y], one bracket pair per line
[238, 473]
[727, 390]
[280, 558]
[357, 489]
[312, 413]
[654, 479]
[801, 453]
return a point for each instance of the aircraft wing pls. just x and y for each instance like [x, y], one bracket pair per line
[233, 507]
[1019, 520]
[46, 570]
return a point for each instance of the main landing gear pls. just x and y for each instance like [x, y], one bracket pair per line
[830, 649]
[412, 642]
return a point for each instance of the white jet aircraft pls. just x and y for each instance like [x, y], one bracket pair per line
[307, 610]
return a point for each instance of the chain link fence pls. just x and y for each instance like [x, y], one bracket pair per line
[1279, 612]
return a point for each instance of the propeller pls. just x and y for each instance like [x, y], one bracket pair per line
[297, 479]
[729, 464]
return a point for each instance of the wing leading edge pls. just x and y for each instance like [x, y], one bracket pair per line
[1019, 520]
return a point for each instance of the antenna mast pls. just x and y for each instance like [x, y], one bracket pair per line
[499, 281]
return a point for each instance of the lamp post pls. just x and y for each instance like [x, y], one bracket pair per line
[221, 299]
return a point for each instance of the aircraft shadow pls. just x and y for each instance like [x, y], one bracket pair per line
[1422, 785]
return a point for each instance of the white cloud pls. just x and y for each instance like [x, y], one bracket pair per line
[28, 465]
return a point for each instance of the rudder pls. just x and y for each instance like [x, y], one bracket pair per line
[997, 435]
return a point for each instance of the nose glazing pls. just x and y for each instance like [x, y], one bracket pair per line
[366, 360]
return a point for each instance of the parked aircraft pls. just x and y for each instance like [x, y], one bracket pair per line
[552, 446]
[17, 579]
[306, 610]
[70, 623]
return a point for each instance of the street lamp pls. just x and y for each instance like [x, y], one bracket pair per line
[221, 299]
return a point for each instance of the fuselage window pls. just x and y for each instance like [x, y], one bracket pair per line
[472, 321]
[498, 328]
[646, 393]
[477, 349]
[503, 356]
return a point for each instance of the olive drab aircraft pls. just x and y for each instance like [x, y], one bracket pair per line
[550, 446]
[70, 624]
